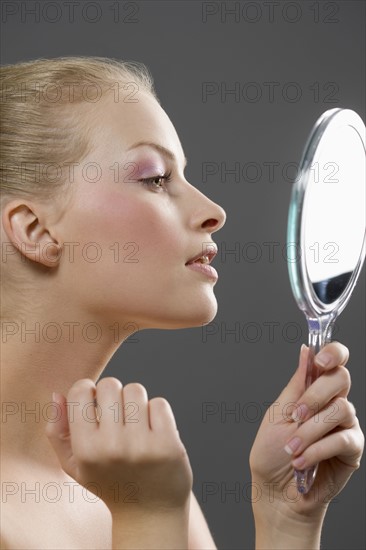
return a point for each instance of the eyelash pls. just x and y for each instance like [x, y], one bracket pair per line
[150, 181]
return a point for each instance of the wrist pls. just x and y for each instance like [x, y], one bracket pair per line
[279, 532]
[165, 528]
[285, 521]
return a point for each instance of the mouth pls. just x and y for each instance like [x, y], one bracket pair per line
[201, 262]
[205, 256]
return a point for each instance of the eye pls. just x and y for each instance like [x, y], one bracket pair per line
[156, 182]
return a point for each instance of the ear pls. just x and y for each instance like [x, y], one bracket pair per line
[28, 235]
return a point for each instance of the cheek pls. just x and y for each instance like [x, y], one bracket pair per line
[138, 228]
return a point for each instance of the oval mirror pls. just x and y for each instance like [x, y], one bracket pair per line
[326, 231]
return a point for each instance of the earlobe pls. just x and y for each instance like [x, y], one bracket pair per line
[28, 235]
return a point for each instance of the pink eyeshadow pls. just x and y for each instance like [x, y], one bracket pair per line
[146, 168]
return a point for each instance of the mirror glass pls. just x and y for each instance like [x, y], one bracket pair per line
[334, 211]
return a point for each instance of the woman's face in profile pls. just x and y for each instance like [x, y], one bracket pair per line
[131, 240]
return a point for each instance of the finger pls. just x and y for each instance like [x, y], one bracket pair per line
[58, 434]
[332, 355]
[340, 413]
[161, 416]
[345, 445]
[136, 407]
[109, 400]
[59, 425]
[296, 386]
[336, 382]
[82, 416]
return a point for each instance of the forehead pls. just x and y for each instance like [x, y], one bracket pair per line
[122, 123]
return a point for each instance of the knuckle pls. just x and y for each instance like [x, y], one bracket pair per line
[349, 408]
[355, 446]
[352, 407]
[313, 399]
[345, 438]
[137, 389]
[340, 403]
[161, 404]
[110, 382]
[81, 386]
[362, 440]
[180, 451]
[361, 444]
[358, 435]
[335, 411]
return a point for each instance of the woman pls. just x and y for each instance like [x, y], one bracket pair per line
[101, 232]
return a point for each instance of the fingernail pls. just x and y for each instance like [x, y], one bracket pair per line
[292, 445]
[323, 359]
[300, 412]
[299, 462]
[303, 346]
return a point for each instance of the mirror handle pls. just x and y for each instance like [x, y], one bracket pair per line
[320, 333]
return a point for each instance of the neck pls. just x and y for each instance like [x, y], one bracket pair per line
[38, 358]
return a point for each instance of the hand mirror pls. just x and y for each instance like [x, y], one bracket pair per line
[326, 241]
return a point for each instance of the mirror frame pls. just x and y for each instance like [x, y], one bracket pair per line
[302, 287]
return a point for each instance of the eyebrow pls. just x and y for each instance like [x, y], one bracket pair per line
[159, 148]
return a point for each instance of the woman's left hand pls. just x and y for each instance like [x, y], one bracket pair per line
[329, 434]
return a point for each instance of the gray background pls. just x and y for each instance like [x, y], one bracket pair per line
[323, 47]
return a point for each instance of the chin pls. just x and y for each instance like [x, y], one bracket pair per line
[198, 318]
[191, 311]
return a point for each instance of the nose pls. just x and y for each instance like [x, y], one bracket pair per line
[207, 215]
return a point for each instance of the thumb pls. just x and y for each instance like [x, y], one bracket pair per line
[58, 434]
[296, 386]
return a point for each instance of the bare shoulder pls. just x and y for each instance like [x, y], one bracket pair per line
[41, 511]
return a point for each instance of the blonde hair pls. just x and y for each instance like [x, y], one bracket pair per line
[45, 116]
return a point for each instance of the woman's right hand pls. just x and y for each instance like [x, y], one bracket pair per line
[126, 450]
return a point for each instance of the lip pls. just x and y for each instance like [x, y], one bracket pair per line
[210, 250]
[205, 269]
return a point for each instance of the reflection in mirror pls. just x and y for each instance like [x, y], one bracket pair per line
[328, 290]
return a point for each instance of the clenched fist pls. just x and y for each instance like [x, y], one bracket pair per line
[109, 438]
